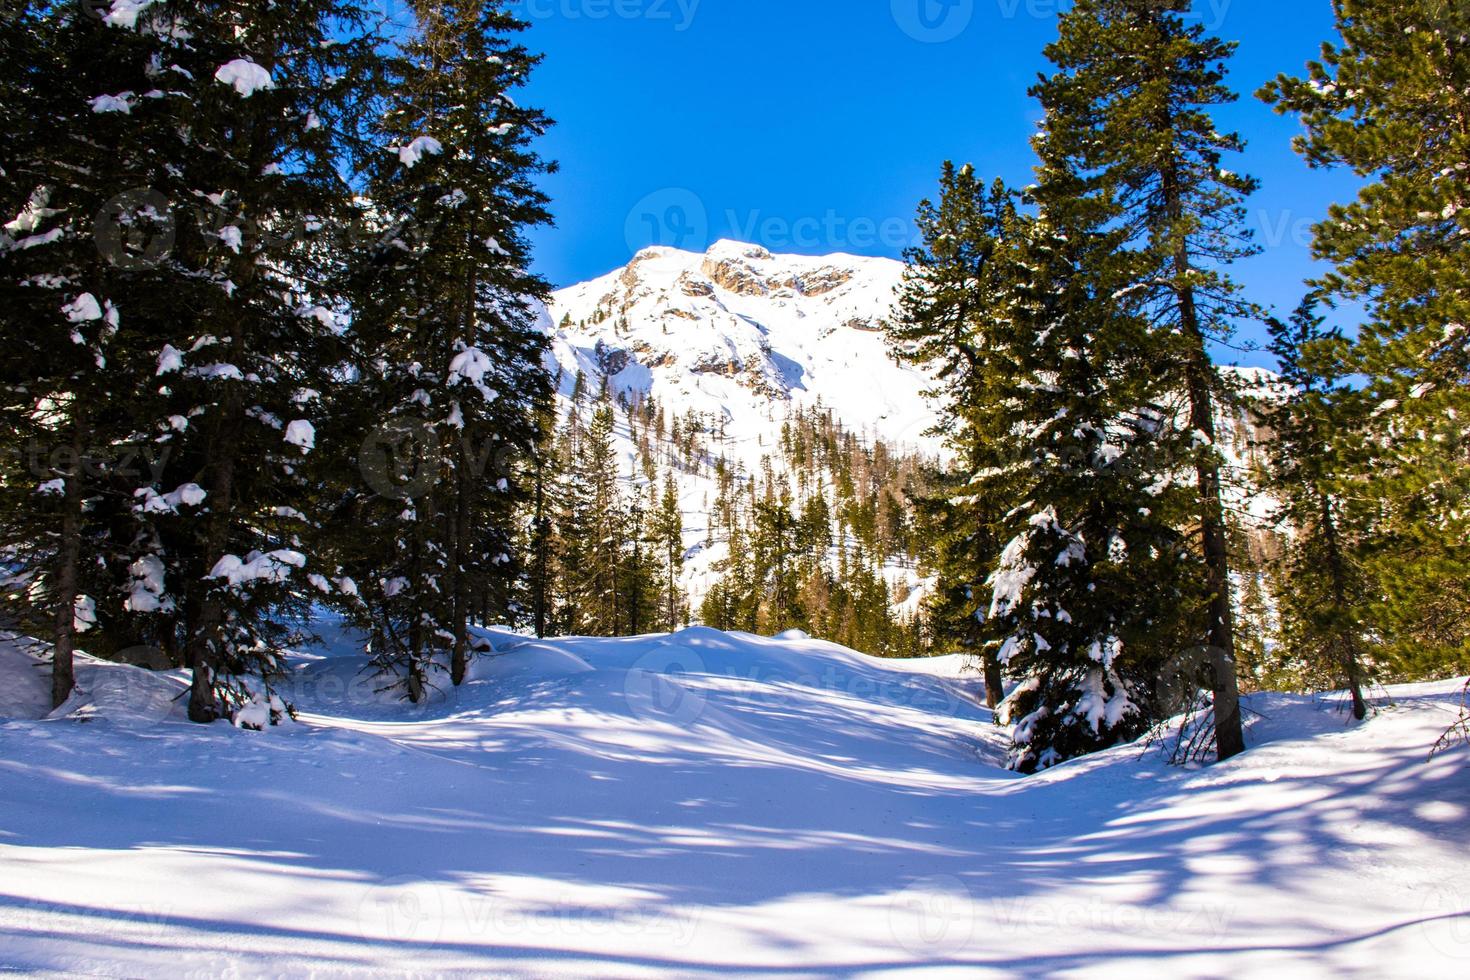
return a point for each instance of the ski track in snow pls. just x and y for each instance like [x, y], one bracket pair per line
[709, 804]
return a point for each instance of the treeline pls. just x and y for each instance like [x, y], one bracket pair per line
[1085, 548]
[606, 548]
[805, 540]
[809, 539]
[269, 330]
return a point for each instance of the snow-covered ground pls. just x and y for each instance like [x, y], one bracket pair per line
[709, 804]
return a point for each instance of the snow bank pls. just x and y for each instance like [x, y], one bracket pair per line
[710, 805]
[114, 692]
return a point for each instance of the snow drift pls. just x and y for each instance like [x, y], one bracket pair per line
[708, 804]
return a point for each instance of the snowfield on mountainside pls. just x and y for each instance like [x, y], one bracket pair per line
[709, 804]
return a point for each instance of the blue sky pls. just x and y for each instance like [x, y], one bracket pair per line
[816, 126]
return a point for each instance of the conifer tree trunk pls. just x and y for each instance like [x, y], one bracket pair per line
[1215, 542]
[459, 659]
[1335, 569]
[673, 588]
[205, 633]
[1229, 735]
[63, 677]
[538, 596]
[994, 681]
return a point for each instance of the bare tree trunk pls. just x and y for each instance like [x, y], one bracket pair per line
[1229, 732]
[1351, 666]
[63, 676]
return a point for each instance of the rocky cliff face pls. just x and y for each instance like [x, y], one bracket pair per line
[740, 333]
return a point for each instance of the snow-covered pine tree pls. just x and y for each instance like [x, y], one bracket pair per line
[259, 102]
[47, 384]
[450, 330]
[1390, 100]
[1129, 115]
[83, 300]
[1326, 593]
[1086, 605]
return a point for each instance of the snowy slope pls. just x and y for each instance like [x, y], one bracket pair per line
[710, 805]
[743, 338]
[740, 333]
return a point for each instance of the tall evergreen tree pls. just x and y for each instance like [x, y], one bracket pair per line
[1086, 605]
[194, 226]
[668, 533]
[264, 127]
[595, 530]
[956, 283]
[448, 333]
[1325, 593]
[1129, 122]
[1390, 100]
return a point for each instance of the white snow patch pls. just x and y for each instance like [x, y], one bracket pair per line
[415, 151]
[244, 76]
[83, 309]
[301, 433]
[122, 102]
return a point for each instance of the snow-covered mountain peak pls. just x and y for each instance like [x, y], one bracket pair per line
[741, 333]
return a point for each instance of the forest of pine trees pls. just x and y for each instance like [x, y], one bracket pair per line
[272, 344]
[806, 539]
[1086, 544]
[270, 330]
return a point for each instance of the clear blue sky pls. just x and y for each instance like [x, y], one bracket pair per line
[816, 126]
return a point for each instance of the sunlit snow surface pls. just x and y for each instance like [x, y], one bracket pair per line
[709, 804]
